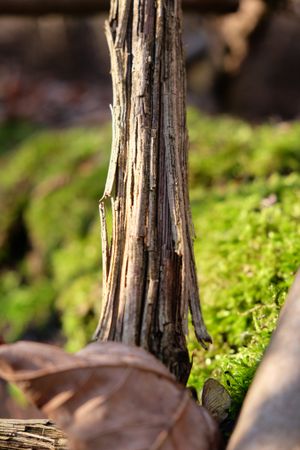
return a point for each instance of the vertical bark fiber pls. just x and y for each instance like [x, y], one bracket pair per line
[149, 271]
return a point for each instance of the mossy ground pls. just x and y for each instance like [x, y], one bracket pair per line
[245, 195]
[247, 218]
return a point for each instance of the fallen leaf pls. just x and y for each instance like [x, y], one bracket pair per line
[109, 396]
[216, 399]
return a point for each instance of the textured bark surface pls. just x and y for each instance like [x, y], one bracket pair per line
[31, 435]
[149, 272]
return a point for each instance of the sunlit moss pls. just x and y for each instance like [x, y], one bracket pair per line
[247, 248]
[245, 196]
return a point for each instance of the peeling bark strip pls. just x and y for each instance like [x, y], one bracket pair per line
[150, 280]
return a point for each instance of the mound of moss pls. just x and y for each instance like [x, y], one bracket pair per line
[49, 191]
[245, 195]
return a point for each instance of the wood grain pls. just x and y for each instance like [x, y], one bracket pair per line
[31, 434]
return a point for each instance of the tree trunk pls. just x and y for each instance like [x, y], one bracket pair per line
[31, 435]
[148, 268]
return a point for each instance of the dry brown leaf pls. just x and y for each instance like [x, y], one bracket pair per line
[216, 399]
[109, 396]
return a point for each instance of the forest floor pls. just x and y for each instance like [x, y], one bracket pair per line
[245, 196]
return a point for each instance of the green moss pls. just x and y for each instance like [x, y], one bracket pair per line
[24, 307]
[13, 132]
[233, 150]
[247, 247]
[65, 261]
[245, 195]
[51, 184]
[78, 304]
[58, 217]
[51, 153]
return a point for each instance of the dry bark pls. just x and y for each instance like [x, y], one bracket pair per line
[31, 435]
[149, 273]
[80, 7]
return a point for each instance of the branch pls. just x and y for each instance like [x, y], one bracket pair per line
[31, 434]
[90, 7]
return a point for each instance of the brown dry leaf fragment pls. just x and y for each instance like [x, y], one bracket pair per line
[216, 399]
[109, 396]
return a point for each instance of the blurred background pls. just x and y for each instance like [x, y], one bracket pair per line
[243, 72]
